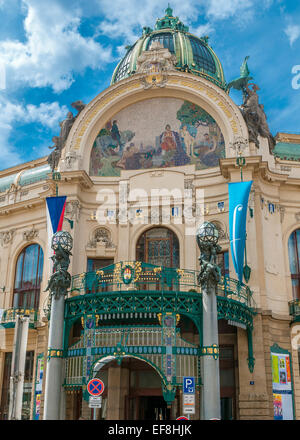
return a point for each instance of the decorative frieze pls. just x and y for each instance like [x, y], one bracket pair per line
[30, 234]
[7, 237]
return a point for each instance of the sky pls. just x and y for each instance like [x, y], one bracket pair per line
[55, 52]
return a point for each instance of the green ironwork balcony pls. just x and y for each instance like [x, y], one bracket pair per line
[294, 308]
[9, 316]
[139, 276]
[133, 291]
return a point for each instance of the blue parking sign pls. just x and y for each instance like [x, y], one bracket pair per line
[188, 385]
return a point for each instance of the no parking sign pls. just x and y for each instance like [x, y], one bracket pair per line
[95, 387]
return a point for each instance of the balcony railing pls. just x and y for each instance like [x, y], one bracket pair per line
[9, 316]
[294, 308]
[139, 276]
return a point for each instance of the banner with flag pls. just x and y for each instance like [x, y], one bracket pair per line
[55, 217]
[238, 204]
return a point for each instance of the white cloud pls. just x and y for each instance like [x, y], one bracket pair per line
[223, 9]
[127, 18]
[46, 114]
[293, 33]
[53, 50]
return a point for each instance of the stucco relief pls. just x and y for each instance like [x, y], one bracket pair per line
[157, 133]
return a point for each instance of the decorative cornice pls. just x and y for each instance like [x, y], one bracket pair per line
[257, 166]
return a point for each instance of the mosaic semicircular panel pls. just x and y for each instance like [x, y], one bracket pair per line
[157, 133]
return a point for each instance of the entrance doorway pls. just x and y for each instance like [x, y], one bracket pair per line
[153, 408]
[133, 391]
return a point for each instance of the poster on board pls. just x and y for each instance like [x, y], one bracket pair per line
[282, 384]
[38, 385]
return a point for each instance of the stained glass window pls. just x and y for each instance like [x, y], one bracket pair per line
[28, 277]
[158, 246]
[294, 257]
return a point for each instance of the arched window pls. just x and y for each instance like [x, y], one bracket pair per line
[294, 256]
[158, 246]
[28, 277]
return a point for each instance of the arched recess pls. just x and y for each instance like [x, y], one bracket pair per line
[285, 245]
[158, 246]
[28, 276]
[294, 261]
[116, 98]
[99, 363]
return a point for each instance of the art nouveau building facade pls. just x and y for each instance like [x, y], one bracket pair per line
[166, 123]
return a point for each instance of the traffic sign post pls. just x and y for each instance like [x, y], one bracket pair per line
[95, 402]
[95, 388]
[189, 390]
[189, 385]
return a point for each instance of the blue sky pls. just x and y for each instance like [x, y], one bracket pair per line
[54, 52]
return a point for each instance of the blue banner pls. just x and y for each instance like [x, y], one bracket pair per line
[238, 204]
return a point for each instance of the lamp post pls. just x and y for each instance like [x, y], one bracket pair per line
[207, 236]
[58, 284]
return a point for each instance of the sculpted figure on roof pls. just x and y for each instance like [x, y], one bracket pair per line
[255, 117]
[65, 128]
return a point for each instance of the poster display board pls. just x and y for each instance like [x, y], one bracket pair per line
[38, 385]
[283, 398]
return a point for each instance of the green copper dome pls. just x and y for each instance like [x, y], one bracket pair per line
[193, 54]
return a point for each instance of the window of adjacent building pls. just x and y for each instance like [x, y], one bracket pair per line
[98, 263]
[28, 277]
[28, 379]
[223, 263]
[294, 257]
[158, 246]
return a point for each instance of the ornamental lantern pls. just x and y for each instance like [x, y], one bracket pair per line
[62, 239]
[206, 234]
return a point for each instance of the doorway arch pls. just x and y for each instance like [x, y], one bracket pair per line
[133, 389]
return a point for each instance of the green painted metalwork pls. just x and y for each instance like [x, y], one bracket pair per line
[54, 353]
[287, 151]
[34, 175]
[294, 310]
[212, 350]
[6, 182]
[250, 359]
[9, 316]
[176, 33]
[152, 291]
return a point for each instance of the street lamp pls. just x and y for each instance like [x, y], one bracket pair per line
[207, 237]
[207, 233]
[58, 285]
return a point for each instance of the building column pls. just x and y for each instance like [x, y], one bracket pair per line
[208, 278]
[117, 389]
[59, 282]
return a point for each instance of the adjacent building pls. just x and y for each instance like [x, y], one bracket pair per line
[141, 165]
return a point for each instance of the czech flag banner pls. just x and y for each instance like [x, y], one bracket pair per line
[238, 205]
[55, 217]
